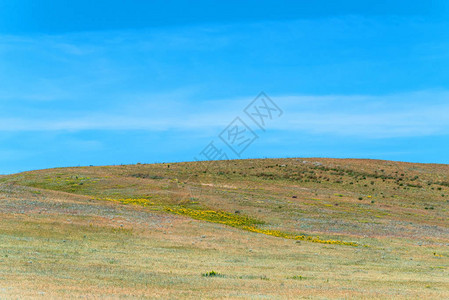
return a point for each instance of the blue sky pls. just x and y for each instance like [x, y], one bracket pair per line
[114, 82]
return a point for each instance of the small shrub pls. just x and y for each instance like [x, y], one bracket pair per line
[212, 274]
[147, 176]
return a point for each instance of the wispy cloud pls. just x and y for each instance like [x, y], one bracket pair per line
[415, 114]
[401, 115]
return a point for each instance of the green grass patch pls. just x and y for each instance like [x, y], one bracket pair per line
[212, 274]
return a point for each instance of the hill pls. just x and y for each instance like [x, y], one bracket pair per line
[299, 227]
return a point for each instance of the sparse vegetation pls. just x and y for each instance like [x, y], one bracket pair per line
[151, 230]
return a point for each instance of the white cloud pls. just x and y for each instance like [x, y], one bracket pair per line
[402, 115]
[390, 116]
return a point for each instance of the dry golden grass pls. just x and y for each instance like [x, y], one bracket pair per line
[105, 232]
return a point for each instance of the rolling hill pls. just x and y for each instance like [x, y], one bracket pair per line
[276, 228]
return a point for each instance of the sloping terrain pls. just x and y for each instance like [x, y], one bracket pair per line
[311, 227]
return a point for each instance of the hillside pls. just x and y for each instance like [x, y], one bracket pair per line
[299, 227]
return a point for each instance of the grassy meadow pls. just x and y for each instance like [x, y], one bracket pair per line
[270, 228]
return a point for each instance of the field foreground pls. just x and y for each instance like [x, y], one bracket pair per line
[272, 228]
